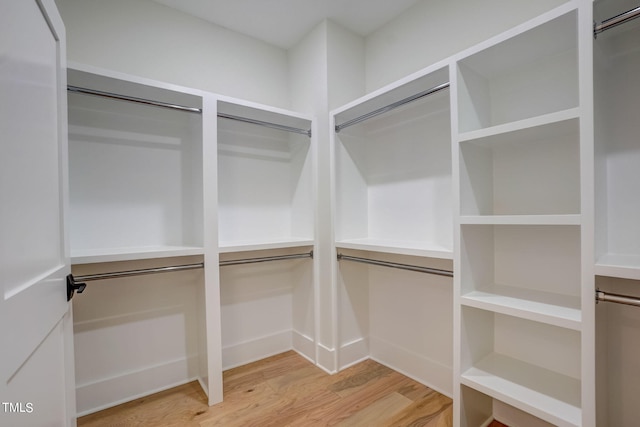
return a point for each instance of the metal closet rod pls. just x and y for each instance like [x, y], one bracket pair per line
[617, 298]
[409, 267]
[140, 272]
[392, 106]
[265, 259]
[266, 124]
[111, 95]
[616, 20]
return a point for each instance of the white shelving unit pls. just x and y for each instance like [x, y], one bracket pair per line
[617, 250]
[393, 202]
[523, 291]
[138, 200]
[266, 204]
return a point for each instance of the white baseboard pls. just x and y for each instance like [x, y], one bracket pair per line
[305, 346]
[326, 359]
[251, 351]
[416, 366]
[353, 352]
[108, 392]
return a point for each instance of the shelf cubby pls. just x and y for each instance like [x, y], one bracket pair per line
[528, 365]
[528, 75]
[532, 169]
[529, 271]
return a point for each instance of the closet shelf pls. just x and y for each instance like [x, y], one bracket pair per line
[545, 307]
[400, 247]
[538, 127]
[92, 256]
[620, 266]
[568, 219]
[246, 245]
[548, 395]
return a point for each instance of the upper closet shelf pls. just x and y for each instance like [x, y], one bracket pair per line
[397, 247]
[262, 115]
[522, 74]
[90, 256]
[421, 85]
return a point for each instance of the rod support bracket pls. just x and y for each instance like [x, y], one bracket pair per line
[73, 286]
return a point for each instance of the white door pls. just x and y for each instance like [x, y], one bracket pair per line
[36, 349]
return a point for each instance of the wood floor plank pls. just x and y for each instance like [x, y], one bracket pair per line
[378, 413]
[347, 406]
[424, 412]
[288, 390]
[360, 379]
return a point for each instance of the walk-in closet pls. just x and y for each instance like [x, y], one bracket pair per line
[452, 194]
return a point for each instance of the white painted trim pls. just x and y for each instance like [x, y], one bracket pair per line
[107, 392]
[304, 345]
[353, 352]
[326, 357]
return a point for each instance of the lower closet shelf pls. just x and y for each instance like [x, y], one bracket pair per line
[91, 256]
[245, 246]
[548, 395]
[400, 247]
[622, 266]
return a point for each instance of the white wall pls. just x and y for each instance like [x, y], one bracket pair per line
[144, 38]
[436, 29]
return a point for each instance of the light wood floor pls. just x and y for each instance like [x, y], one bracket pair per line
[288, 390]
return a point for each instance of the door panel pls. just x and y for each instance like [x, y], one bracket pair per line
[36, 354]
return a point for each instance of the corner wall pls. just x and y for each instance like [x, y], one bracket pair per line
[326, 70]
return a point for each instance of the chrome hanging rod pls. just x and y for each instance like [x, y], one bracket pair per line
[266, 124]
[265, 259]
[619, 299]
[130, 273]
[409, 267]
[615, 21]
[392, 106]
[93, 92]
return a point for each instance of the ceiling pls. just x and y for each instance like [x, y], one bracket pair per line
[284, 22]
